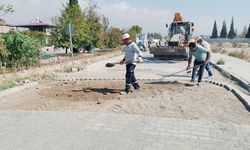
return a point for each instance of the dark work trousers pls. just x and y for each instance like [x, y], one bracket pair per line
[201, 70]
[130, 78]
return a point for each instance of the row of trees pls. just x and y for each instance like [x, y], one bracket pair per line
[23, 49]
[232, 32]
[154, 36]
[90, 28]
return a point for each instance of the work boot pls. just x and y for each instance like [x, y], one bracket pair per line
[192, 83]
[137, 87]
[124, 93]
[199, 83]
[126, 90]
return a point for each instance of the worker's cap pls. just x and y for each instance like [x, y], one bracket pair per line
[125, 36]
[192, 43]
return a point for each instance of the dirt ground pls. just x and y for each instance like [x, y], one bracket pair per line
[161, 99]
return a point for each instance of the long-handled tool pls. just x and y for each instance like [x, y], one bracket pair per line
[109, 65]
[181, 71]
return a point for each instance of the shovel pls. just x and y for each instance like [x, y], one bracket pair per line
[109, 65]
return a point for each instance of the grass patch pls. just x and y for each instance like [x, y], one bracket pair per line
[220, 62]
[7, 85]
[216, 50]
[12, 83]
[241, 55]
[219, 50]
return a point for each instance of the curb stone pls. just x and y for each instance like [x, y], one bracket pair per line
[226, 87]
[241, 83]
[237, 94]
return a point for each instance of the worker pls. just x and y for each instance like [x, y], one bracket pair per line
[205, 44]
[132, 55]
[202, 56]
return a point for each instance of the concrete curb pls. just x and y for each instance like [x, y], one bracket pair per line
[241, 83]
[17, 88]
[239, 95]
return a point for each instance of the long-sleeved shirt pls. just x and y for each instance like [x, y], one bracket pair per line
[132, 53]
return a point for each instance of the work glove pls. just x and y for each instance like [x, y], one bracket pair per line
[140, 60]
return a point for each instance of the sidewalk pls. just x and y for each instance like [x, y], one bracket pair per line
[237, 67]
[26, 130]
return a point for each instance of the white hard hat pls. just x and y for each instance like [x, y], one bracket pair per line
[125, 36]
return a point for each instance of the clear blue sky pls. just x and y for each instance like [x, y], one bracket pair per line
[150, 14]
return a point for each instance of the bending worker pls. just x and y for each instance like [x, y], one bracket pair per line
[132, 55]
[202, 56]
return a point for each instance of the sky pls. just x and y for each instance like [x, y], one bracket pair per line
[151, 15]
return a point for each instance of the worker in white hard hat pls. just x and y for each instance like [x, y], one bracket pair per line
[132, 55]
[202, 56]
[205, 44]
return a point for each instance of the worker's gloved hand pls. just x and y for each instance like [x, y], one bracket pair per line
[140, 60]
[122, 62]
[188, 67]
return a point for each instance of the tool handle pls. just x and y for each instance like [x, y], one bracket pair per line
[183, 70]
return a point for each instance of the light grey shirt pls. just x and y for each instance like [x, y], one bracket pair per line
[132, 52]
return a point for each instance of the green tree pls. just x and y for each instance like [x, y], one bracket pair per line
[113, 37]
[24, 51]
[96, 28]
[223, 33]
[215, 31]
[105, 23]
[248, 32]
[155, 36]
[232, 33]
[71, 14]
[134, 30]
[73, 2]
[244, 32]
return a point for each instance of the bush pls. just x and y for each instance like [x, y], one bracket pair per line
[4, 53]
[235, 44]
[220, 62]
[24, 51]
[39, 37]
[216, 50]
[241, 55]
[219, 50]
